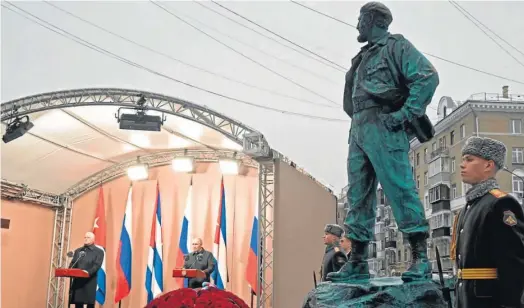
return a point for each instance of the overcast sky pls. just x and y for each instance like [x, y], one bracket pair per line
[36, 60]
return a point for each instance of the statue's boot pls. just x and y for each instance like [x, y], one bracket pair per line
[356, 268]
[420, 268]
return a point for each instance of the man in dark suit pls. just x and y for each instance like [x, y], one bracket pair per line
[88, 258]
[200, 259]
[488, 234]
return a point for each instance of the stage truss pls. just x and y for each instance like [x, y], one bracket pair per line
[256, 153]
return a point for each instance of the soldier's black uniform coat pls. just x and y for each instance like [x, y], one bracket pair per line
[490, 234]
[333, 260]
[83, 290]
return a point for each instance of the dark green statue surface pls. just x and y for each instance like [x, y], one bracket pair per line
[387, 90]
[381, 292]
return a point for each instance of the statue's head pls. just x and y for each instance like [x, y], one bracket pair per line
[373, 15]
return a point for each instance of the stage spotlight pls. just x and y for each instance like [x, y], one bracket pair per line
[229, 166]
[183, 164]
[17, 129]
[138, 172]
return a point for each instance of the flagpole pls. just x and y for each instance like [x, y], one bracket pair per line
[252, 297]
[119, 304]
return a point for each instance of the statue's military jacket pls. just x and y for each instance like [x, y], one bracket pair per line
[488, 247]
[393, 73]
[333, 260]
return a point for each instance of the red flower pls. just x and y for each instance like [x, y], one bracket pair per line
[204, 298]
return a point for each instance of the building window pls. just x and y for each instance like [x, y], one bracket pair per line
[440, 220]
[418, 181]
[442, 142]
[418, 159]
[440, 164]
[453, 164]
[433, 146]
[452, 137]
[517, 155]
[435, 167]
[453, 191]
[516, 126]
[425, 178]
[518, 185]
[426, 202]
[462, 131]
[438, 193]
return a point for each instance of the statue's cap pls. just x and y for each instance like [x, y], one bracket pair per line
[378, 7]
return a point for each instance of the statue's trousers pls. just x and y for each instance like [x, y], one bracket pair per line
[377, 154]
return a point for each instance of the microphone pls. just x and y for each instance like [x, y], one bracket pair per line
[80, 256]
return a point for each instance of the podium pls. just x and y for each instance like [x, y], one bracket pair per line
[188, 273]
[71, 272]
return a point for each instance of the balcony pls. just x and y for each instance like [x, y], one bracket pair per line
[441, 205]
[391, 244]
[440, 232]
[440, 220]
[441, 177]
[440, 152]
[439, 171]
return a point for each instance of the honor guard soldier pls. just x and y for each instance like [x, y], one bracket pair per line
[488, 234]
[334, 257]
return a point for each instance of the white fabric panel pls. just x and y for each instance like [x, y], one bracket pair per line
[44, 166]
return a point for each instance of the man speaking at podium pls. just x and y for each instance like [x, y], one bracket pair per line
[200, 259]
[88, 258]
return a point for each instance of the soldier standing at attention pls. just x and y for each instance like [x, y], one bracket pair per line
[334, 257]
[488, 234]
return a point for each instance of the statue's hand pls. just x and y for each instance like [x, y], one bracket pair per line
[392, 121]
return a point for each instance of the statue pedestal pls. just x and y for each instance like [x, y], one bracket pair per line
[387, 292]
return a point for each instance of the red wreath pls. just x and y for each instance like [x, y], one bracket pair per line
[203, 298]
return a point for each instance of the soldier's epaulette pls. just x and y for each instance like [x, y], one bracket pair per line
[497, 193]
[337, 249]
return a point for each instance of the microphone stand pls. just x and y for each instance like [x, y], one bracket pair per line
[81, 255]
[521, 178]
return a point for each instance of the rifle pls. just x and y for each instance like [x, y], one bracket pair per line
[445, 290]
[315, 279]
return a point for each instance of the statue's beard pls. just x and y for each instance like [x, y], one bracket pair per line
[364, 32]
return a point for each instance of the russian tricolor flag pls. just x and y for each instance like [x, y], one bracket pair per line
[252, 261]
[99, 230]
[185, 234]
[124, 256]
[220, 274]
[154, 270]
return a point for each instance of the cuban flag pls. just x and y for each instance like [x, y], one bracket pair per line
[124, 255]
[154, 270]
[252, 260]
[220, 274]
[99, 230]
[185, 233]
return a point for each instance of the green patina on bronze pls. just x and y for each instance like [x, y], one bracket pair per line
[387, 90]
[381, 292]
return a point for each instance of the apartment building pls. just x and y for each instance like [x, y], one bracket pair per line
[436, 167]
